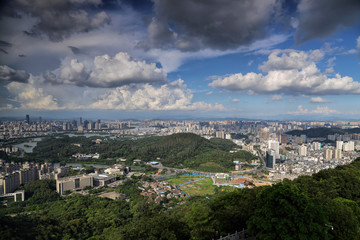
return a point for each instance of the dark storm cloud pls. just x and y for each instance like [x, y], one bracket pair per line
[21, 55]
[59, 19]
[75, 50]
[3, 51]
[194, 24]
[320, 18]
[9, 74]
[5, 44]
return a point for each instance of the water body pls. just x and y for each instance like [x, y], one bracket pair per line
[91, 135]
[29, 145]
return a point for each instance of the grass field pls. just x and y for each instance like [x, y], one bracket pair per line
[181, 179]
[196, 188]
[201, 187]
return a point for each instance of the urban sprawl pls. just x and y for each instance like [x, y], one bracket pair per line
[279, 154]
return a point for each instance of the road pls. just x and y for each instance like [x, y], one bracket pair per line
[176, 170]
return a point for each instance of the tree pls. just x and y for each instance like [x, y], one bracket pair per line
[285, 212]
[200, 221]
[343, 222]
[233, 209]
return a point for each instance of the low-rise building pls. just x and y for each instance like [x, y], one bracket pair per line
[74, 183]
[102, 179]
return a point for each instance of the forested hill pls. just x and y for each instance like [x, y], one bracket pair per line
[322, 206]
[181, 150]
[322, 132]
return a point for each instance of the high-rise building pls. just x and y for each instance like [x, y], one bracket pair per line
[339, 144]
[338, 154]
[270, 158]
[79, 122]
[283, 139]
[10, 182]
[220, 134]
[303, 138]
[27, 118]
[316, 146]
[328, 154]
[349, 146]
[302, 150]
[274, 145]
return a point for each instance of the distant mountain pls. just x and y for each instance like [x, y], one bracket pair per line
[322, 132]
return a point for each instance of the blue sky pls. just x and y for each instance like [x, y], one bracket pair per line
[186, 59]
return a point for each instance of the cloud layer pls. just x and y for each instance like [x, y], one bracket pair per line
[59, 19]
[191, 25]
[141, 97]
[106, 71]
[318, 19]
[318, 111]
[173, 96]
[289, 72]
[9, 74]
[30, 97]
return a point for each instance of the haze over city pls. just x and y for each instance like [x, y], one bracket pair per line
[184, 59]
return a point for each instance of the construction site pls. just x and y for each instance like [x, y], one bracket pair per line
[240, 179]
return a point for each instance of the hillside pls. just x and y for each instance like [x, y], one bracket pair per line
[322, 132]
[322, 206]
[182, 150]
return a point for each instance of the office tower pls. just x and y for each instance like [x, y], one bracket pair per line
[27, 118]
[270, 158]
[274, 145]
[79, 122]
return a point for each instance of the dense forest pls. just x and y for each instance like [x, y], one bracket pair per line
[322, 206]
[182, 150]
[322, 132]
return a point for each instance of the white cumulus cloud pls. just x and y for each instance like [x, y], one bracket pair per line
[106, 71]
[289, 72]
[172, 96]
[318, 100]
[30, 97]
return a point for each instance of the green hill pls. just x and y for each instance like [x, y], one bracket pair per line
[322, 132]
[182, 150]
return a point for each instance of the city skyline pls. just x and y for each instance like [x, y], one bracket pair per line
[283, 60]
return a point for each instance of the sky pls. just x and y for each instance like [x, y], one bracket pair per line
[189, 59]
